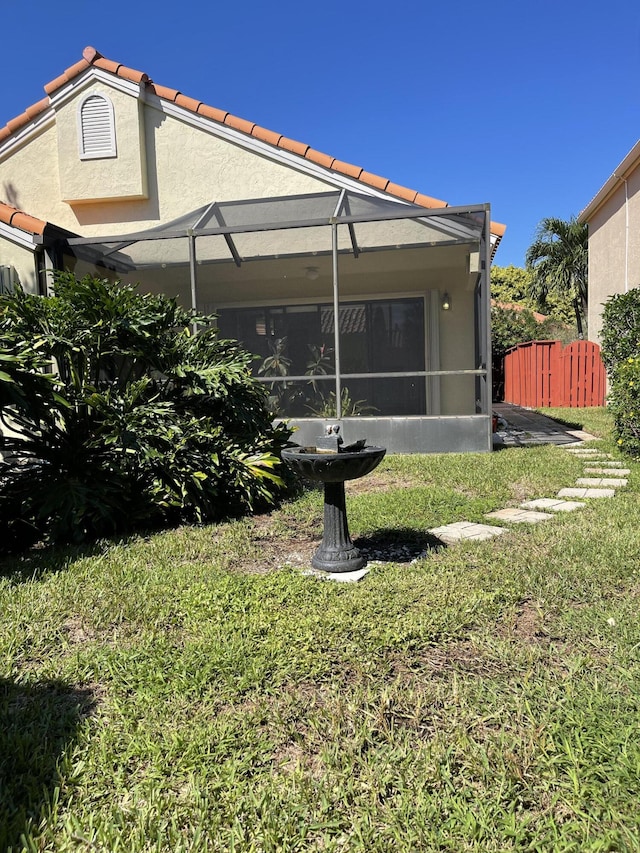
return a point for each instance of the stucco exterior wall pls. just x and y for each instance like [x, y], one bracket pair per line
[123, 176]
[29, 179]
[614, 249]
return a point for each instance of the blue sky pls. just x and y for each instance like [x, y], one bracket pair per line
[526, 104]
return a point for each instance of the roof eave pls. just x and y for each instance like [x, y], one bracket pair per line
[619, 176]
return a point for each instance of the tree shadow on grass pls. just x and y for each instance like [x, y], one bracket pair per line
[35, 562]
[397, 545]
[38, 723]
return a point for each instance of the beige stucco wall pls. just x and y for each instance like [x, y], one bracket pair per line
[23, 260]
[105, 178]
[614, 249]
[29, 178]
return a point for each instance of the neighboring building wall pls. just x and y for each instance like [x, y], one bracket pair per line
[614, 248]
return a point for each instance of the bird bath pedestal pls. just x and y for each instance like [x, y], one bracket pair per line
[336, 552]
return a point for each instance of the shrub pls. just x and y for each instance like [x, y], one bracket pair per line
[621, 357]
[141, 423]
[625, 405]
[621, 329]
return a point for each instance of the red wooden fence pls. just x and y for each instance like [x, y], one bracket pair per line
[541, 373]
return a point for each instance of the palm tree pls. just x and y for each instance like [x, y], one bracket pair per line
[557, 260]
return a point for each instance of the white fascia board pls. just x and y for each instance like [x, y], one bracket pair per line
[16, 235]
[279, 155]
[26, 133]
[45, 119]
[88, 78]
[620, 174]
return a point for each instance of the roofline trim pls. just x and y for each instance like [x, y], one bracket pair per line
[16, 235]
[66, 92]
[26, 132]
[288, 158]
[619, 175]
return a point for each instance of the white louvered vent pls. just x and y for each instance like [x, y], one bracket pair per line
[96, 128]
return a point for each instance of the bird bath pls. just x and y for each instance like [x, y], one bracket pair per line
[332, 464]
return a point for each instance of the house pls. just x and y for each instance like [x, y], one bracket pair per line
[112, 174]
[613, 218]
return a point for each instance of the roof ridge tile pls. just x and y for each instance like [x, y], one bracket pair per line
[165, 92]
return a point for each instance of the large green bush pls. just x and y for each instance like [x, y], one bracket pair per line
[625, 404]
[620, 334]
[621, 356]
[115, 416]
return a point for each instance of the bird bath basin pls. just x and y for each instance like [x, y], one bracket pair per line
[336, 552]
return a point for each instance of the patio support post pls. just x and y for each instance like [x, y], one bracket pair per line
[485, 320]
[192, 275]
[336, 316]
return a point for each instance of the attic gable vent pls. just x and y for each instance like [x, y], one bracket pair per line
[96, 128]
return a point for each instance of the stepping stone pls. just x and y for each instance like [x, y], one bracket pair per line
[583, 451]
[619, 472]
[586, 493]
[600, 482]
[460, 531]
[519, 516]
[552, 504]
[605, 462]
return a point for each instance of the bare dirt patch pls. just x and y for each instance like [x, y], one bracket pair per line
[528, 623]
[77, 631]
[276, 553]
[380, 482]
[462, 656]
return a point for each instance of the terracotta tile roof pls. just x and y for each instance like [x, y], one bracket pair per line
[18, 219]
[514, 306]
[91, 57]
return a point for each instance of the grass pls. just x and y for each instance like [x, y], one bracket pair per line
[595, 419]
[193, 691]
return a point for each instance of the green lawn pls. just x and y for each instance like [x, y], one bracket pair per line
[595, 420]
[194, 691]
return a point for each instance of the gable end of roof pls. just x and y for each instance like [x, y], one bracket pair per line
[91, 57]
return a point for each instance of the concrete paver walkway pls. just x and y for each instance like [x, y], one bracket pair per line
[518, 515]
[610, 482]
[622, 472]
[526, 428]
[553, 505]
[586, 493]
[463, 530]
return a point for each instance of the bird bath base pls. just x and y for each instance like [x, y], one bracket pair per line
[336, 552]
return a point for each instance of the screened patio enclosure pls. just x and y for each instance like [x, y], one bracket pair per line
[407, 363]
